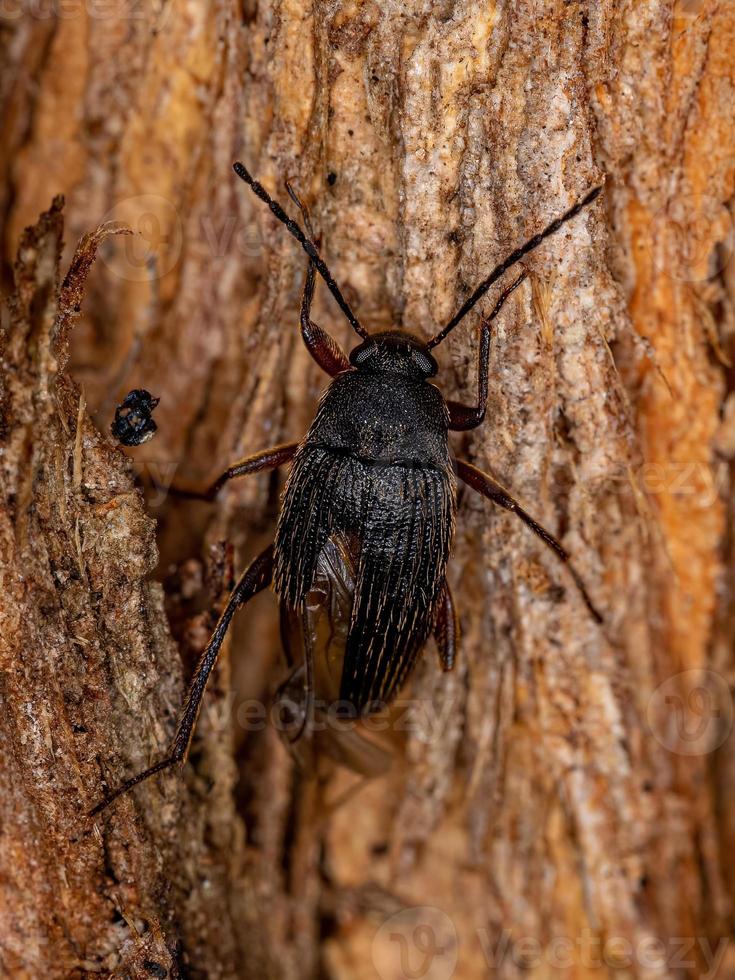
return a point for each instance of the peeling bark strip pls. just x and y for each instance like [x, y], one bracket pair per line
[549, 791]
[87, 668]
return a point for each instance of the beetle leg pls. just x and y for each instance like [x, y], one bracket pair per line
[446, 629]
[490, 488]
[254, 579]
[462, 417]
[266, 459]
[326, 352]
[307, 690]
[324, 349]
[306, 243]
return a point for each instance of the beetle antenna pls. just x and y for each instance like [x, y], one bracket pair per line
[514, 257]
[306, 243]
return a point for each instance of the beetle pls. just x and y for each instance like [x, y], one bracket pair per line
[367, 519]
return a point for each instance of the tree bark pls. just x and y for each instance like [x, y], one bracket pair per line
[558, 805]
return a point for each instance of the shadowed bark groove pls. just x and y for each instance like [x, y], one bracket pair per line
[555, 788]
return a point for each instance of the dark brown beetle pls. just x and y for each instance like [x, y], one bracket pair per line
[367, 520]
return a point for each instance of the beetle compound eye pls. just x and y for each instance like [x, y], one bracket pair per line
[427, 365]
[362, 354]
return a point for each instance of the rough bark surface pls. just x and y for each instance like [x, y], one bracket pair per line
[553, 801]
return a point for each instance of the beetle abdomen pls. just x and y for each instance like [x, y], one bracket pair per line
[399, 521]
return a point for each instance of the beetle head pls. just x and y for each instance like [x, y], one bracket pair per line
[394, 352]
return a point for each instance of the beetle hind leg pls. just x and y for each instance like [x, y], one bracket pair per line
[254, 579]
[446, 630]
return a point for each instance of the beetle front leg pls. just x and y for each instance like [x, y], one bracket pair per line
[255, 578]
[324, 349]
[463, 417]
[326, 352]
[266, 459]
[490, 488]
[446, 629]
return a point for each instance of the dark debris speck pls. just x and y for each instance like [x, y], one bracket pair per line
[155, 969]
[133, 423]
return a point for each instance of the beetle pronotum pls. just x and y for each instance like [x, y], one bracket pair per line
[367, 518]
